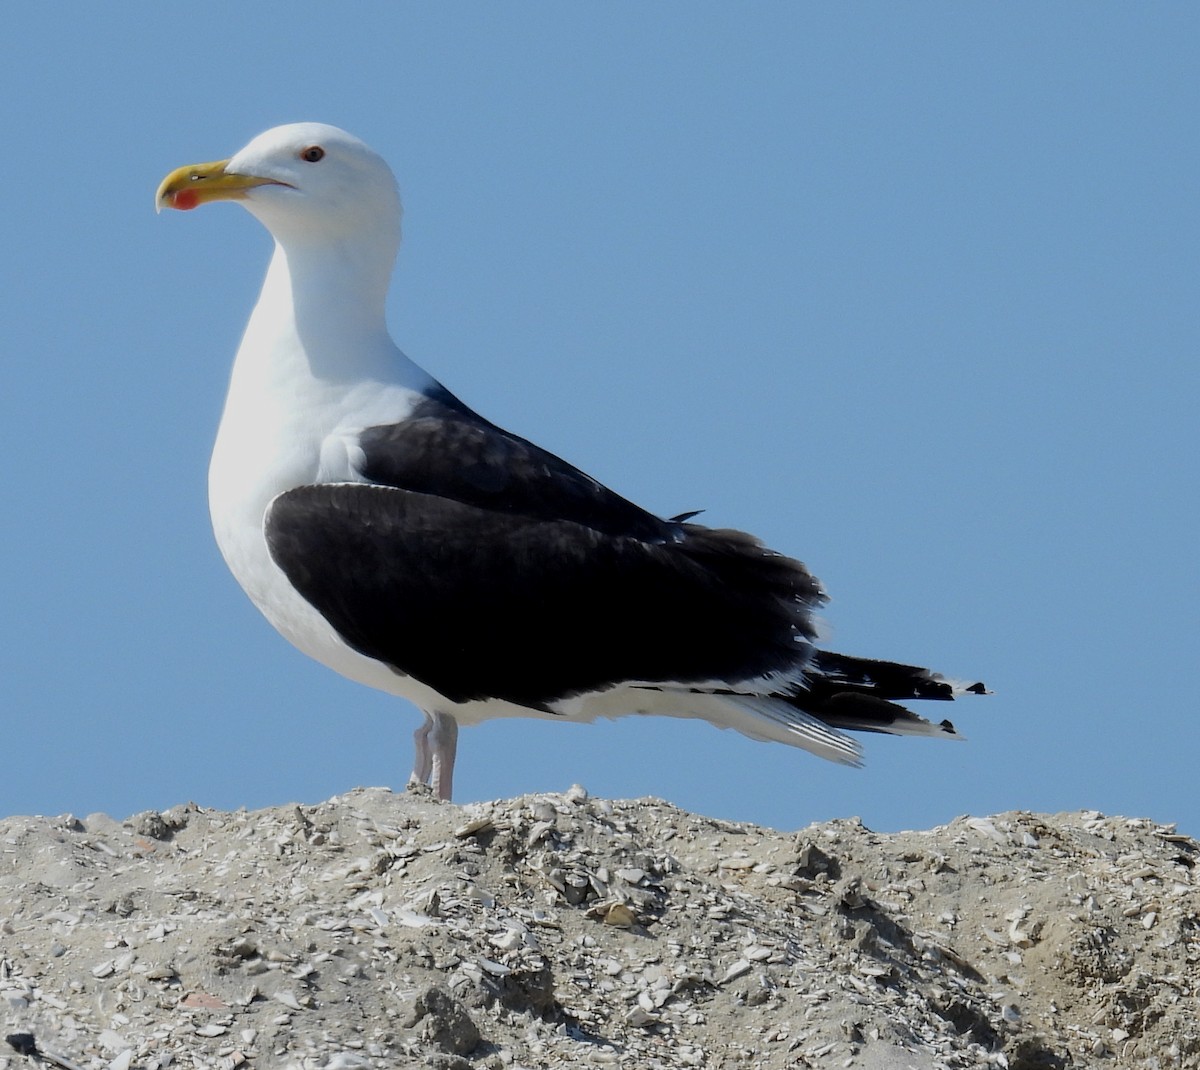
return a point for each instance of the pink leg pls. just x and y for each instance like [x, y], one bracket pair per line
[444, 744]
[423, 765]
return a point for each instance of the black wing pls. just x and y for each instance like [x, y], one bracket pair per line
[445, 449]
[481, 603]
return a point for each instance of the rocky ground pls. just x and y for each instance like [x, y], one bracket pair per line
[383, 930]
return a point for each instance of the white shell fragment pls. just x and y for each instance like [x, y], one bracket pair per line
[736, 969]
[475, 825]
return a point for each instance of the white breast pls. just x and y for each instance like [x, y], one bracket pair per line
[286, 425]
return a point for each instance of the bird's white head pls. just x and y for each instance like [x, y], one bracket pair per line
[305, 182]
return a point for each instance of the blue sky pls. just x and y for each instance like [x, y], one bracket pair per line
[906, 290]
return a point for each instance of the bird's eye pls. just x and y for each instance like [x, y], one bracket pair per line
[313, 153]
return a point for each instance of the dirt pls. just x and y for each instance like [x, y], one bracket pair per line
[391, 930]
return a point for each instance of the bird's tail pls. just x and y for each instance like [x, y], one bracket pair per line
[839, 693]
[858, 693]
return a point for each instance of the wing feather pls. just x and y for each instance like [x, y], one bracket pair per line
[484, 604]
[445, 449]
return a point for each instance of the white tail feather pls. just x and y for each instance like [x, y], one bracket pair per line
[764, 719]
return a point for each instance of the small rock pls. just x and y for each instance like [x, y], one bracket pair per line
[443, 1021]
[288, 999]
[620, 915]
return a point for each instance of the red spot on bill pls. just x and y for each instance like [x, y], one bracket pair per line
[184, 200]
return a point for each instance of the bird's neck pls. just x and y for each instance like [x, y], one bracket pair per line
[324, 306]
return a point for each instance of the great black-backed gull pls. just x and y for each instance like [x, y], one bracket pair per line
[395, 535]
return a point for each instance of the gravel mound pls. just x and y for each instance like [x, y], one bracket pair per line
[379, 931]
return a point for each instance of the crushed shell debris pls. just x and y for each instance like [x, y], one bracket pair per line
[378, 930]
